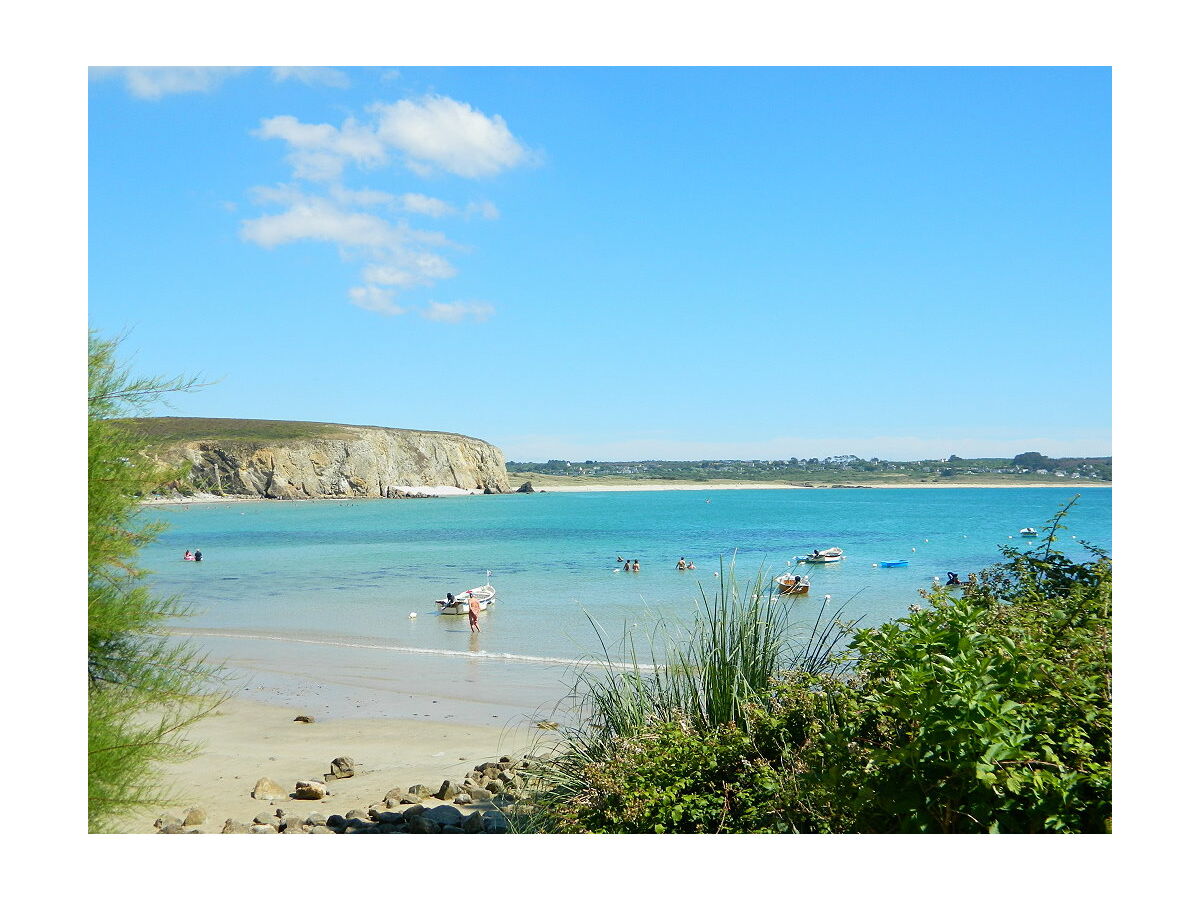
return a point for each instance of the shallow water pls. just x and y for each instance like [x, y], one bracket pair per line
[347, 574]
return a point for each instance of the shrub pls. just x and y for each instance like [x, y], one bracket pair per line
[986, 710]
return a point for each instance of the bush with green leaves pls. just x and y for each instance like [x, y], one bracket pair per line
[988, 709]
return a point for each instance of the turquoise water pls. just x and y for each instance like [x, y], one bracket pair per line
[348, 573]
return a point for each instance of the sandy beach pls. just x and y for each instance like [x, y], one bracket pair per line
[245, 741]
[447, 491]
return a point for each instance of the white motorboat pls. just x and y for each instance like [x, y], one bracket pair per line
[1028, 532]
[833, 554]
[460, 604]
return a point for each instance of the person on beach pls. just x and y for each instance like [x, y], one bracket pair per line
[473, 612]
[636, 567]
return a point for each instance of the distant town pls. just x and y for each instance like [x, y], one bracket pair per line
[1031, 467]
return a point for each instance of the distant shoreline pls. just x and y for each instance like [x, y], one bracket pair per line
[760, 486]
[600, 488]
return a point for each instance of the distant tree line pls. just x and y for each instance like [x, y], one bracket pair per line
[1023, 464]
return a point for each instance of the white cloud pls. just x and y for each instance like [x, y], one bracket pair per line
[439, 132]
[318, 152]
[457, 311]
[433, 133]
[482, 209]
[154, 82]
[312, 75]
[317, 219]
[428, 206]
[376, 299]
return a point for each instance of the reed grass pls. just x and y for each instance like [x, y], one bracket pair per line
[714, 674]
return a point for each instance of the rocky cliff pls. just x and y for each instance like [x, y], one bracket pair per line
[349, 461]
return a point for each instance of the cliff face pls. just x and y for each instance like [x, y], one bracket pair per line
[360, 462]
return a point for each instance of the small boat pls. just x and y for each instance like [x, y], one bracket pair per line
[792, 584]
[1028, 532]
[894, 563]
[833, 554]
[460, 604]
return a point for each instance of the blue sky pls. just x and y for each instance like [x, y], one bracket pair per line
[619, 263]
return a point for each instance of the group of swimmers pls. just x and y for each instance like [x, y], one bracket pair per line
[632, 565]
[193, 555]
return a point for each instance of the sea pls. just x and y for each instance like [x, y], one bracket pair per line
[345, 590]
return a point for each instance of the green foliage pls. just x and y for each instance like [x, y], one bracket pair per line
[142, 688]
[675, 779]
[987, 710]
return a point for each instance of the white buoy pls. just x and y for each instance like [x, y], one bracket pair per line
[927, 540]
[914, 549]
[874, 565]
[828, 597]
[412, 615]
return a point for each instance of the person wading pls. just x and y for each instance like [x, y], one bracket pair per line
[473, 613]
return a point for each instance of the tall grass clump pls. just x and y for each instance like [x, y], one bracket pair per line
[706, 686]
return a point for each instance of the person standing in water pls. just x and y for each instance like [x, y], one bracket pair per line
[636, 566]
[473, 612]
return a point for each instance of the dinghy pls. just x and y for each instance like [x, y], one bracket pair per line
[792, 584]
[460, 604]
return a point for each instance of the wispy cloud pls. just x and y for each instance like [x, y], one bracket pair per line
[426, 135]
[458, 311]
[155, 82]
[312, 75]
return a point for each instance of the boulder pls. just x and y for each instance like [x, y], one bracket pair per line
[194, 816]
[419, 790]
[266, 789]
[172, 829]
[166, 821]
[310, 790]
[266, 818]
[480, 795]
[443, 815]
[474, 823]
[342, 767]
[495, 786]
[360, 814]
[232, 827]
[307, 720]
[316, 818]
[292, 824]
[463, 798]
[448, 790]
[321, 829]
[526, 488]
[421, 825]
[263, 829]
